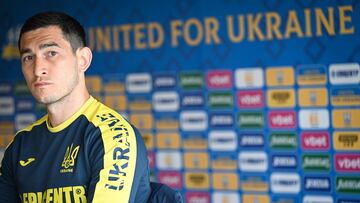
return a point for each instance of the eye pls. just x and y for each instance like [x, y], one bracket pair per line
[28, 58]
[52, 53]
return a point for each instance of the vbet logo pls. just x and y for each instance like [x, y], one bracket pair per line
[315, 140]
[347, 162]
[250, 99]
[282, 119]
[219, 79]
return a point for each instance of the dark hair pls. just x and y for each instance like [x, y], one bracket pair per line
[72, 30]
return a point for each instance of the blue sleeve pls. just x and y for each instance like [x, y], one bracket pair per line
[8, 190]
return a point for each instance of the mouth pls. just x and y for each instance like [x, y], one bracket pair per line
[41, 84]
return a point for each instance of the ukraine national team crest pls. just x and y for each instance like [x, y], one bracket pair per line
[67, 166]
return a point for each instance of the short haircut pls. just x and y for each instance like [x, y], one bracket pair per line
[72, 30]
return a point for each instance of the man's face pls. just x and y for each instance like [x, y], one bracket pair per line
[49, 64]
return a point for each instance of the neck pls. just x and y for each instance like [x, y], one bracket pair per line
[63, 109]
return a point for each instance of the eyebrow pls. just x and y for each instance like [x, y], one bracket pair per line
[42, 46]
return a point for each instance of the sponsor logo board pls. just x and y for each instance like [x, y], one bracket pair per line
[249, 78]
[285, 183]
[253, 161]
[345, 73]
[313, 97]
[314, 119]
[280, 76]
[219, 79]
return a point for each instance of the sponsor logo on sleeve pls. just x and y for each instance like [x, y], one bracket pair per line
[315, 140]
[345, 73]
[347, 162]
[171, 178]
[197, 197]
[7, 106]
[347, 140]
[138, 83]
[225, 181]
[191, 80]
[164, 82]
[253, 161]
[311, 75]
[314, 119]
[197, 180]
[348, 184]
[221, 100]
[192, 100]
[250, 99]
[221, 140]
[282, 119]
[283, 140]
[285, 183]
[317, 184]
[252, 140]
[219, 79]
[313, 97]
[316, 162]
[249, 78]
[251, 120]
[280, 76]
[284, 161]
[349, 96]
[346, 118]
[317, 199]
[225, 197]
[193, 120]
[168, 160]
[283, 98]
[221, 120]
[166, 101]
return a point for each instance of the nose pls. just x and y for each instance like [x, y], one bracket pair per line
[40, 68]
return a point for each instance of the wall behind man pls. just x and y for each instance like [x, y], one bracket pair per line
[236, 100]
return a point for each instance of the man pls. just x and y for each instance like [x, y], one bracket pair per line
[81, 151]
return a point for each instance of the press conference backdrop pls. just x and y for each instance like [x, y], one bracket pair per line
[237, 101]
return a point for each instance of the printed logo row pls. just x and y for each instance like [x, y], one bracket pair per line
[285, 183]
[253, 161]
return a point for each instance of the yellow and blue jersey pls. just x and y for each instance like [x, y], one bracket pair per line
[94, 156]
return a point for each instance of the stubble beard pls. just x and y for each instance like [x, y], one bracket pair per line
[59, 95]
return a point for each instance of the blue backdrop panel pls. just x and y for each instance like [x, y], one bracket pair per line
[237, 101]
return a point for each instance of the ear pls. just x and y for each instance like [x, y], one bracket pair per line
[84, 56]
